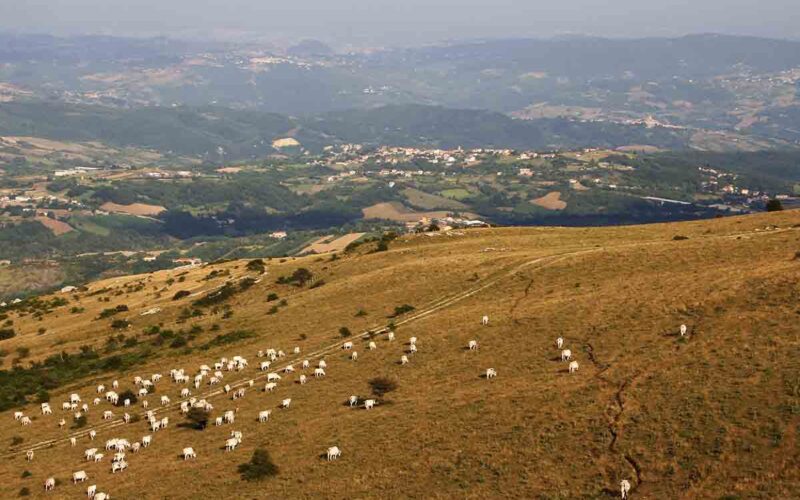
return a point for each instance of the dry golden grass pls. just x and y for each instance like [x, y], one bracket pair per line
[709, 415]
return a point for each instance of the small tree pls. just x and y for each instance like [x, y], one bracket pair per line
[382, 385]
[345, 332]
[80, 422]
[127, 394]
[259, 467]
[774, 205]
[198, 418]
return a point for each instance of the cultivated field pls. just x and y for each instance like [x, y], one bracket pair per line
[396, 211]
[133, 209]
[714, 414]
[329, 244]
[551, 201]
[56, 226]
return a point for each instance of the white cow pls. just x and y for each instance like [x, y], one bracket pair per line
[269, 387]
[302, 379]
[559, 342]
[390, 336]
[368, 404]
[306, 364]
[322, 363]
[91, 491]
[683, 330]
[118, 466]
[354, 356]
[319, 372]
[146, 440]
[472, 345]
[79, 477]
[624, 488]
[49, 484]
[98, 457]
[573, 366]
[29, 455]
[485, 320]
[90, 453]
[491, 373]
[286, 402]
[273, 376]
[26, 420]
[296, 350]
[347, 346]
[263, 416]
[353, 401]
[372, 346]
[164, 400]
[189, 453]
[102, 496]
[92, 434]
[412, 349]
[289, 369]
[403, 359]
[231, 444]
[73, 441]
[566, 354]
[108, 415]
[412, 340]
[265, 366]
[334, 452]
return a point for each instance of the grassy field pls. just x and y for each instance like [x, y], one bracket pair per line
[714, 414]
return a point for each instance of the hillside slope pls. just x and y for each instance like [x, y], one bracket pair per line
[714, 414]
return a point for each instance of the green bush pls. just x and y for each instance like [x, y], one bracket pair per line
[198, 418]
[345, 332]
[259, 467]
[127, 394]
[181, 294]
[80, 422]
[7, 333]
[400, 310]
[774, 205]
[256, 265]
[382, 385]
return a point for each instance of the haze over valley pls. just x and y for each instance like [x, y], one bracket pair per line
[453, 249]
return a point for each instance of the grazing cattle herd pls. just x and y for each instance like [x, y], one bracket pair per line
[204, 373]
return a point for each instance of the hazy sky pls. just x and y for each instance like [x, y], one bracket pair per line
[401, 21]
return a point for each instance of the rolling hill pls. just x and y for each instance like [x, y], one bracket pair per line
[714, 414]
